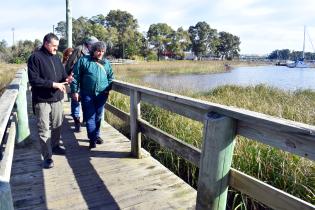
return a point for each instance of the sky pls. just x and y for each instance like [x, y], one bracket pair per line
[262, 25]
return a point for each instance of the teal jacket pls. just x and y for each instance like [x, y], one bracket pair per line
[91, 77]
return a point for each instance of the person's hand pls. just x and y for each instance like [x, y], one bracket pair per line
[60, 86]
[75, 96]
[69, 79]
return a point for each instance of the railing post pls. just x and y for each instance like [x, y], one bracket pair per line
[215, 162]
[135, 134]
[23, 131]
[6, 202]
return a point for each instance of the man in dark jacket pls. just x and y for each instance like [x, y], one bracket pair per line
[48, 78]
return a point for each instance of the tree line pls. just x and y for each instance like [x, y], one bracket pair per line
[286, 54]
[119, 29]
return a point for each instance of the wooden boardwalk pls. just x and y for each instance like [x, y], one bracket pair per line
[104, 178]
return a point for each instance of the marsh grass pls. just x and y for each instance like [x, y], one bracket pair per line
[126, 71]
[7, 73]
[283, 170]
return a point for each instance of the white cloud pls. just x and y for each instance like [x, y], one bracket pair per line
[262, 25]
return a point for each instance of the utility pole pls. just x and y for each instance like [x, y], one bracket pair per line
[13, 36]
[53, 29]
[69, 23]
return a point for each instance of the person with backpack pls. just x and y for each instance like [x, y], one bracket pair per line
[93, 75]
[78, 52]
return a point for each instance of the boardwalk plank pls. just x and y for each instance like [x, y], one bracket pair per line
[104, 178]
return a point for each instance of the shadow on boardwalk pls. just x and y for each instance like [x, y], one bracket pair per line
[104, 178]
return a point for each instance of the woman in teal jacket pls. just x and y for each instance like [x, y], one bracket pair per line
[93, 75]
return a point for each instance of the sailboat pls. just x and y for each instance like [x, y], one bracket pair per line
[300, 62]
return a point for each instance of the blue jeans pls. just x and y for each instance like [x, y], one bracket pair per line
[93, 107]
[75, 109]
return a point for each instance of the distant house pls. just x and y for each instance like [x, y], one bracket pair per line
[165, 55]
[190, 56]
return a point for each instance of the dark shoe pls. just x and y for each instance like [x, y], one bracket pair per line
[58, 150]
[99, 140]
[48, 163]
[77, 127]
[92, 145]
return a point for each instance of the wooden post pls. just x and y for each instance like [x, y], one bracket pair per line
[23, 130]
[135, 135]
[6, 202]
[215, 161]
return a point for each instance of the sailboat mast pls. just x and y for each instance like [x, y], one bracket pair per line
[303, 44]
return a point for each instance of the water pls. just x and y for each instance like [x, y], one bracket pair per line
[275, 76]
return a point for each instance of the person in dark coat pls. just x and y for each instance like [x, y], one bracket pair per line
[48, 78]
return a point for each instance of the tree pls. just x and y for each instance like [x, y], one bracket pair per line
[126, 27]
[283, 54]
[4, 52]
[180, 41]
[160, 36]
[202, 38]
[228, 45]
[22, 50]
[98, 19]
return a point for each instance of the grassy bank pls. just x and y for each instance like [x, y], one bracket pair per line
[7, 73]
[283, 170]
[128, 72]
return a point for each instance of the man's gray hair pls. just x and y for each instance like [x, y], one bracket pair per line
[97, 46]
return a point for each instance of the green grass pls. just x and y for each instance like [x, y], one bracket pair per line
[283, 170]
[124, 72]
[7, 73]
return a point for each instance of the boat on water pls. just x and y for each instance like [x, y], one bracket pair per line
[299, 63]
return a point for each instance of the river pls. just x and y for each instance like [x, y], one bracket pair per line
[281, 77]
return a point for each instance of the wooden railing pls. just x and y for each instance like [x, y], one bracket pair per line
[221, 125]
[13, 128]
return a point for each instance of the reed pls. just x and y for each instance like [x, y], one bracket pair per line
[7, 73]
[124, 71]
[283, 170]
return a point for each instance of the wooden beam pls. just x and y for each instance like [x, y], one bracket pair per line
[267, 194]
[181, 148]
[293, 141]
[6, 162]
[6, 202]
[7, 101]
[173, 106]
[118, 113]
[264, 128]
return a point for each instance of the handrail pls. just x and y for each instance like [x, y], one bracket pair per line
[294, 137]
[15, 94]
